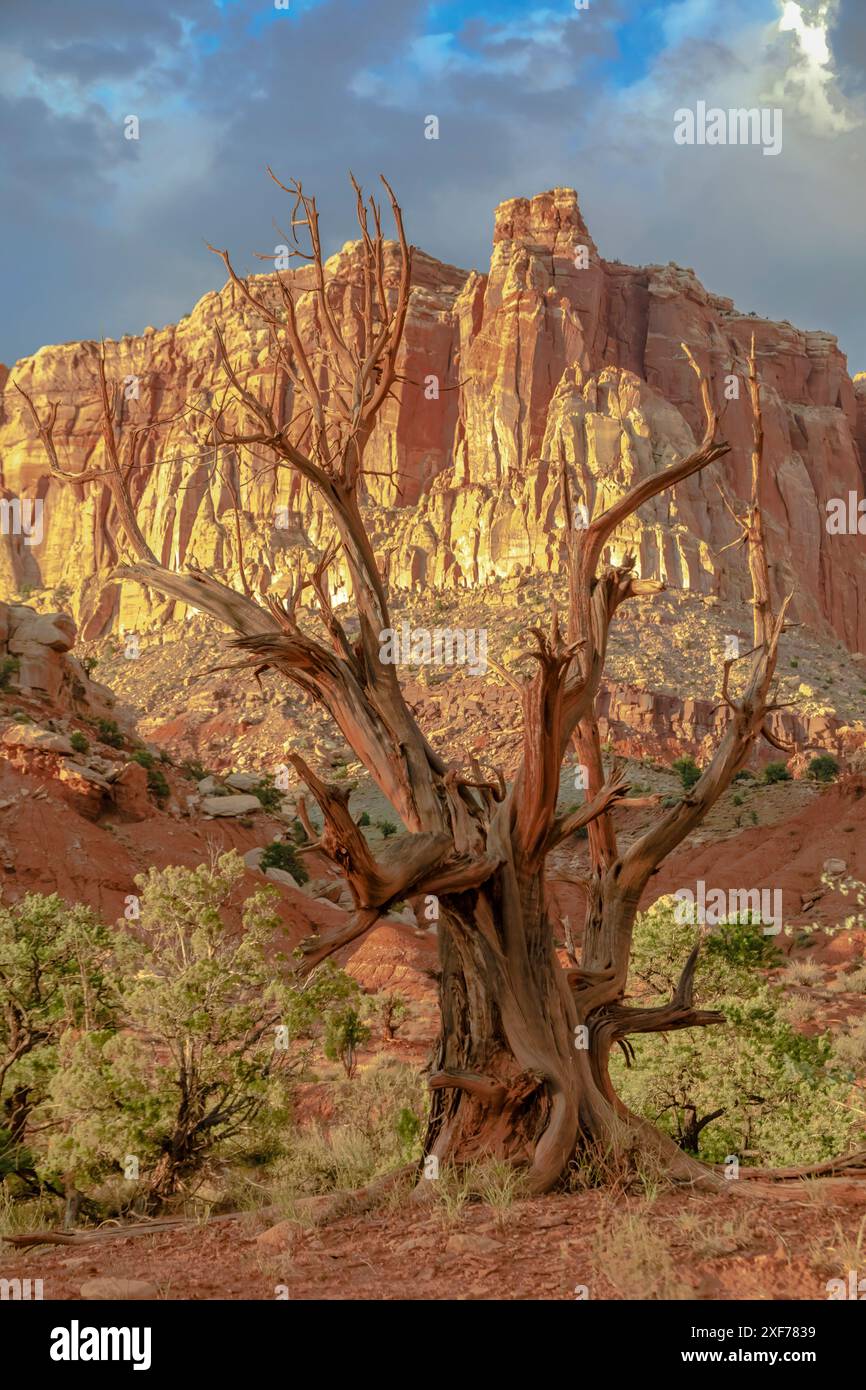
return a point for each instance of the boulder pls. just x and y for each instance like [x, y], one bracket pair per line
[242, 781]
[326, 889]
[130, 792]
[32, 736]
[240, 805]
[56, 631]
[70, 771]
[280, 1237]
[39, 641]
[125, 1290]
[282, 876]
[41, 645]
[405, 917]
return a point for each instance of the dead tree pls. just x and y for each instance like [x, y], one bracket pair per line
[511, 1076]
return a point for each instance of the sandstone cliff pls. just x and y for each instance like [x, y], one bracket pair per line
[502, 372]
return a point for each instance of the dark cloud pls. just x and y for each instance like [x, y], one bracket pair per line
[56, 26]
[90, 62]
[847, 38]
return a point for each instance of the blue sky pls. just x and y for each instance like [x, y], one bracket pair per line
[103, 235]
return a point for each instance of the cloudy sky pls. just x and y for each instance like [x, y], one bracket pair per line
[103, 235]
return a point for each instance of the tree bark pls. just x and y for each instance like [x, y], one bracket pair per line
[515, 1077]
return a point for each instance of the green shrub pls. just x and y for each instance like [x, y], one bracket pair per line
[78, 741]
[776, 772]
[363, 819]
[109, 732]
[408, 1129]
[823, 768]
[387, 827]
[143, 758]
[279, 854]
[687, 770]
[56, 979]
[199, 1066]
[298, 833]
[345, 1032]
[9, 667]
[388, 1009]
[377, 1124]
[270, 797]
[741, 942]
[193, 769]
[751, 1086]
[157, 785]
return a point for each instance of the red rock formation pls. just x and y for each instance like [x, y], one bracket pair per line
[652, 724]
[38, 647]
[501, 372]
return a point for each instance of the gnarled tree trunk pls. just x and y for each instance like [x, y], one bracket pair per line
[520, 1071]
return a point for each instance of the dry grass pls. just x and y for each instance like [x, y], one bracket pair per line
[802, 972]
[499, 1185]
[709, 1240]
[837, 1252]
[637, 1260]
[32, 1215]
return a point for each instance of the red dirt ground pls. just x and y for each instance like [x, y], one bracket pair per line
[747, 1245]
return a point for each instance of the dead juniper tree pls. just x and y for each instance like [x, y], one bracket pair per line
[521, 1068]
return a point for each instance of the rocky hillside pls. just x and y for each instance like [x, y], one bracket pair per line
[553, 351]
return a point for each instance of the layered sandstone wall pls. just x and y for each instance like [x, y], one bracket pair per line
[502, 375]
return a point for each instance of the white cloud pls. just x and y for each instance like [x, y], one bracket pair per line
[810, 78]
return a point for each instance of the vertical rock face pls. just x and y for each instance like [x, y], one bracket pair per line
[555, 353]
[860, 400]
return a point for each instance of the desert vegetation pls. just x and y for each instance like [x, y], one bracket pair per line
[174, 1064]
[140, 1061]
